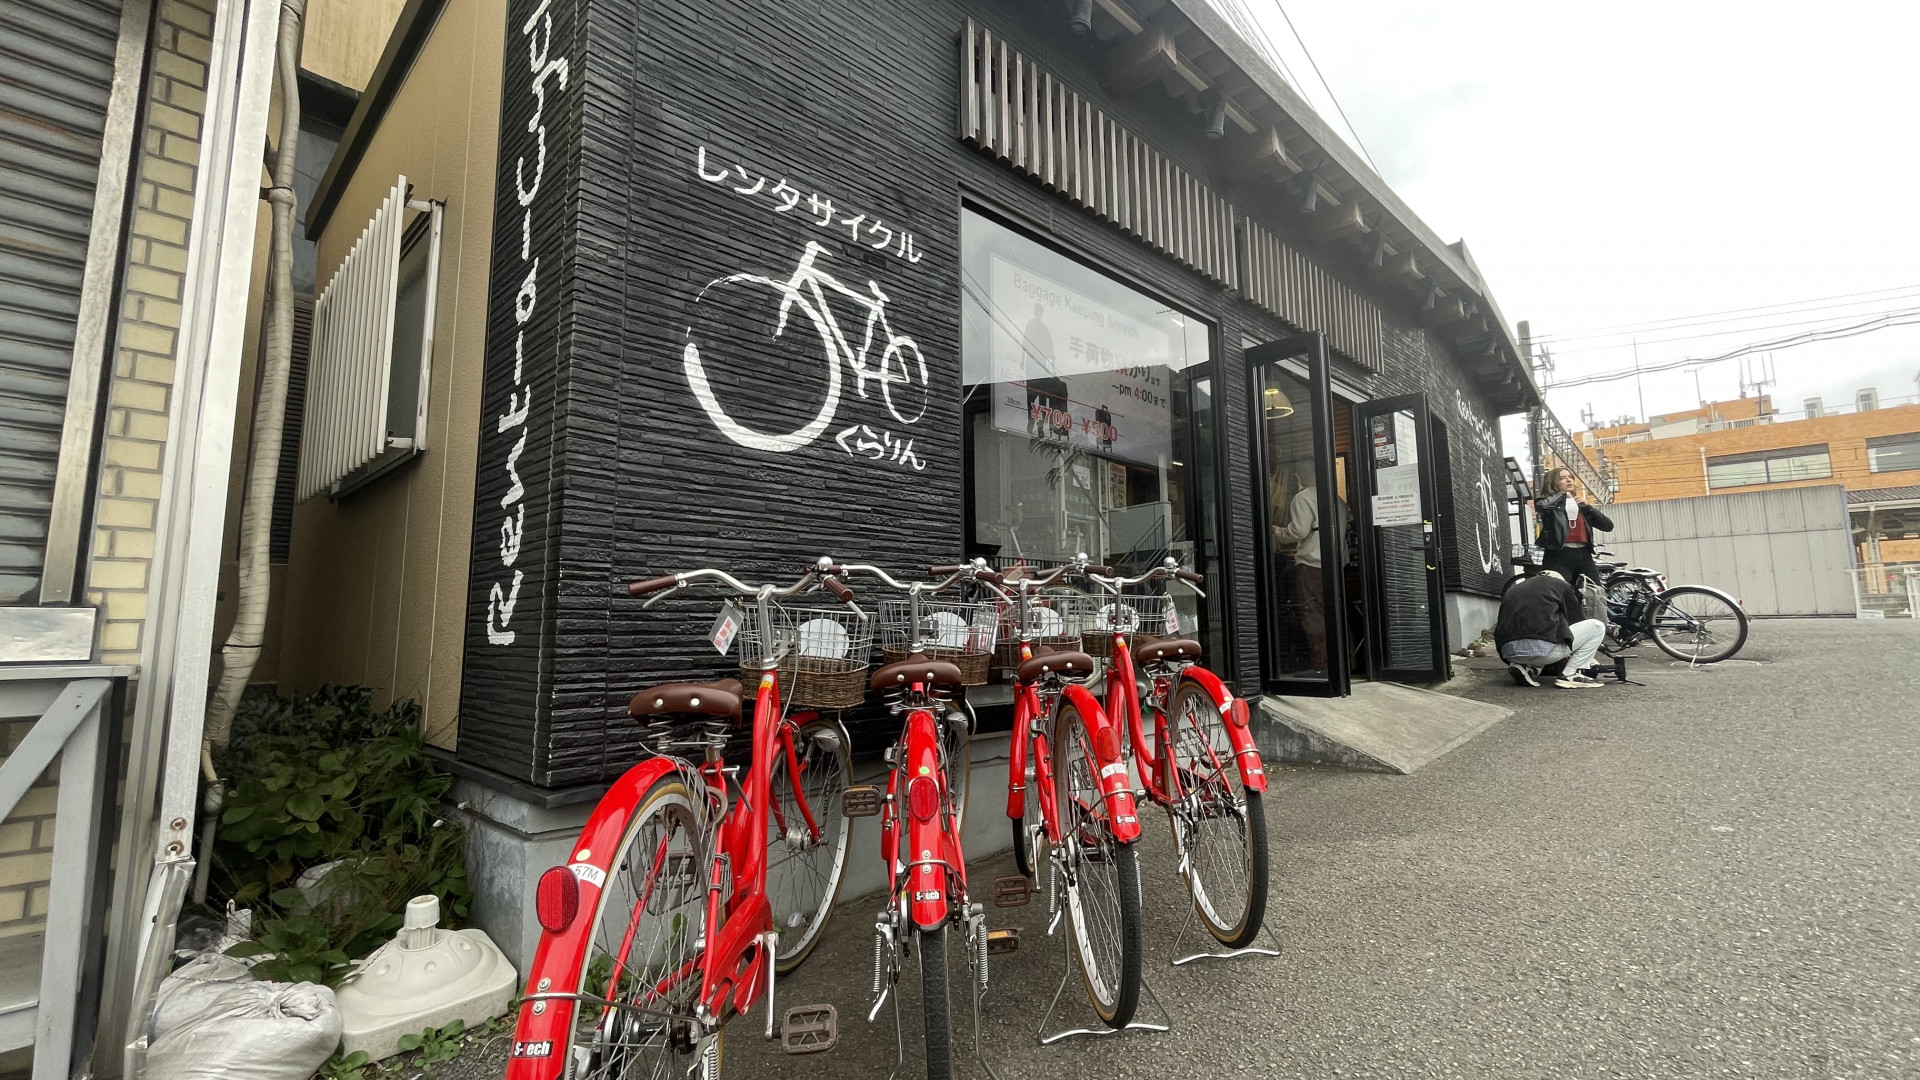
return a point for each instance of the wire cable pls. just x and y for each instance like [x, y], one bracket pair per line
[1328, 87]
[1884, 321]
[1651, 325]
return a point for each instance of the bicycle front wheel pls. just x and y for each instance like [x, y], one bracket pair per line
[1219, 826]
[807, 838]
[1697, 625]
[645, 943]
[1101, 875]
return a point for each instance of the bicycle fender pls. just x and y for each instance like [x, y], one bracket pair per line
[1246, 755]
[1017, 763]
[928, 844]
[1721, 593]
[557, 958]
[1115, 784]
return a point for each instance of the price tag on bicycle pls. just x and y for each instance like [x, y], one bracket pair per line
[726, 626]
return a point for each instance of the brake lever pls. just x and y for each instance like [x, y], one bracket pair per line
[659, 596]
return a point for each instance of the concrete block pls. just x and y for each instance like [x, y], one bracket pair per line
[1383, 727]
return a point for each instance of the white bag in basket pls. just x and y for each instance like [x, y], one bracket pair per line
[211, 1025]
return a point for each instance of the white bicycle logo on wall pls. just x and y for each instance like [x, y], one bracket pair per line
[901, 371]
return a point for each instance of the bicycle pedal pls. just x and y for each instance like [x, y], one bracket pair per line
[809, 1029]
[861, 801]
[1012, 890]
[1003, 941]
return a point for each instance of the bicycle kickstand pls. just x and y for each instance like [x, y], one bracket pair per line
[977, 954]
[1066, 975]
[1266, 931]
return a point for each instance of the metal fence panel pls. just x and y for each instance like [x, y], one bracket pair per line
[1787, 552]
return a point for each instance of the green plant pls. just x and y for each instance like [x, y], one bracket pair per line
[352, 1066]
[435, 1045]
[327, 779]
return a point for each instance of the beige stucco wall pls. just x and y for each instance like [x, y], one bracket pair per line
[377, 583]
[344, 38]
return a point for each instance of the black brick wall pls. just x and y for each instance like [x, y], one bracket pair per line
[858, 105]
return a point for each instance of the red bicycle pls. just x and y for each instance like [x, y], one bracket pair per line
[1067, 788]
[927, 641]
[1200, 763]
[690, 887]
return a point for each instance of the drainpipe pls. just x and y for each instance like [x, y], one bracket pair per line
[242, 649]
[1706, 478]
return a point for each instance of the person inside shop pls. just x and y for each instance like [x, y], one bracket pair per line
[1543, 633]
[1302, 529]
[1566, 529]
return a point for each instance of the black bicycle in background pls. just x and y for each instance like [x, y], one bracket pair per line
[1695, 623]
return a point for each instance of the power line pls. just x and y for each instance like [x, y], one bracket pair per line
[1911, 293]
[1727, 333]
[1655, 324]
[1882, 322]
[1328, 87]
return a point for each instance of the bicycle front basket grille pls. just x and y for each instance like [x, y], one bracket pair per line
[960, 632]
[1056, 618]
[822, 653]
[1141, 616]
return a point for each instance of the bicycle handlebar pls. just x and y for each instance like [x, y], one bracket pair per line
[665, 585]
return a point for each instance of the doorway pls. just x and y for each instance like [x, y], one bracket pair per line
[1346, 513]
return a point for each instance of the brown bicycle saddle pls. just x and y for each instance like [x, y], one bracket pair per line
[1170, 649]
[915, 668]
[1074, 665]
[708, 699]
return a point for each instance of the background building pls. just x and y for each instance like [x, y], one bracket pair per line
[1870, 445]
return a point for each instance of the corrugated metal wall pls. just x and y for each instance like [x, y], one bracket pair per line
[56, 69]
[1781, 552]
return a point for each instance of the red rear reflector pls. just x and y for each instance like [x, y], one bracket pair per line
[1106, 743]
[923, 797]
[557, 900]
[1237, 712]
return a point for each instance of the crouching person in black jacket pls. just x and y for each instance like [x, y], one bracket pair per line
[1542, 624]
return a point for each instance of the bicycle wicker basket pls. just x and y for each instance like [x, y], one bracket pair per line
[822, 653]
[962, 633]
[1056, 618]
[1143, 617]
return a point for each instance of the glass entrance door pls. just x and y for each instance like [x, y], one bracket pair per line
[1299, 519]
[1399, 540]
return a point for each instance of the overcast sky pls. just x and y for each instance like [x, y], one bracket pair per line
[1635, 162]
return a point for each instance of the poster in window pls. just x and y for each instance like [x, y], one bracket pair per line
[1068, 369]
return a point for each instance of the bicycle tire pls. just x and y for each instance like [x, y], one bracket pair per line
[922, 388]
[935, 1013]
[622, 1041]
[958, 745]
[1724, 608]
[702, 346]
[1223, 831]
[1103, 909]
[800, 911]
[1027, 857]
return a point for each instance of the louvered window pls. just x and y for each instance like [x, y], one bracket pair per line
[371, 360]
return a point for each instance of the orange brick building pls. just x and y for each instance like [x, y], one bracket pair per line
[1748, 445]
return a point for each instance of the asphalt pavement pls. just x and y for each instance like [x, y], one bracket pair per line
[1711, 875]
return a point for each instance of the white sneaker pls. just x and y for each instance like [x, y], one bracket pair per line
[1523, 675]
[1576, 682]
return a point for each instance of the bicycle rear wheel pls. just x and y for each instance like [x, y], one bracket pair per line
[1102, 875]
[805, 865]
[934, 1003]
[644, 945]
[1218, 824]
[1697, 625]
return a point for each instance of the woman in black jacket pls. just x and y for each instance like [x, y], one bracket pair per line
[1566, 529]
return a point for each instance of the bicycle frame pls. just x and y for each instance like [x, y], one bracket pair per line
[1152, 758]
[1029, 736]
[821, 312]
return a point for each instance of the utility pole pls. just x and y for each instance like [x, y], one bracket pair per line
[1535, 459]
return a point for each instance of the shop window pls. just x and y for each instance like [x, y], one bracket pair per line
[1894, 453]
[1769, 467]
[1090, 418]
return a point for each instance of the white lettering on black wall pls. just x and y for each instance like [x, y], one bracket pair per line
[503, 594]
